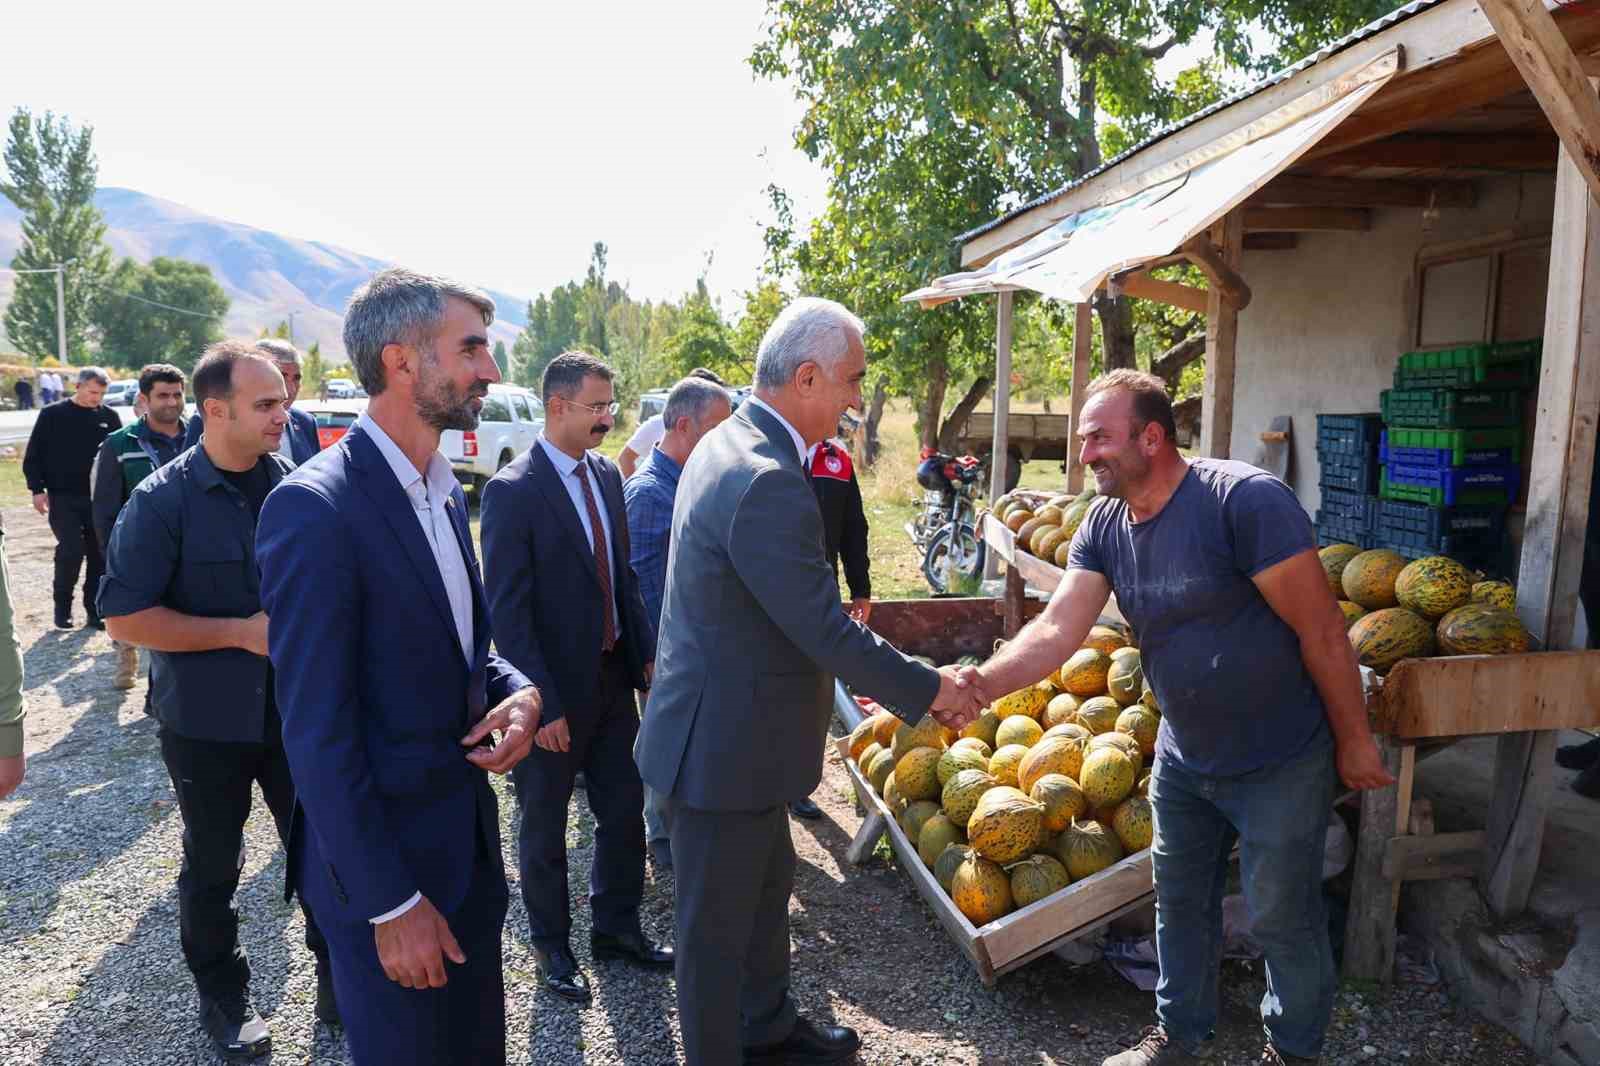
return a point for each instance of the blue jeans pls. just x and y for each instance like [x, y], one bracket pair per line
[1279, 816]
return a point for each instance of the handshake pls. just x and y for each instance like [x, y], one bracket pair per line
[961, 697]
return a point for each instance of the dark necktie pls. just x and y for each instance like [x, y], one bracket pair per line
[602, 562]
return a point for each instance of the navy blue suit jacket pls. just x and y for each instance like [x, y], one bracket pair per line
[544, 590]
[302, 431]
[373, 690]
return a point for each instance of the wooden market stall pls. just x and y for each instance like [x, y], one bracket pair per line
[1334, 202]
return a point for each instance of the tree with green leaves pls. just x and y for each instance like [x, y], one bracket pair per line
[164, 311]
[50, 174]
[313, 370]
[501, 359]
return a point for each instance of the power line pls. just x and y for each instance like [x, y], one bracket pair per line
[153, 303]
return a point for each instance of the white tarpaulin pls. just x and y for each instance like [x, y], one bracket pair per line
[1073, 258]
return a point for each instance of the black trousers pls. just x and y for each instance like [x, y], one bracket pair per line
[213, 780]
[71, 522]
[602, 747]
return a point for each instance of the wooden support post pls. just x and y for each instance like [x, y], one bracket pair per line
[1369, 929]
[999, 459]
[1563, 446]
[1016, 592]
[1082, 346]
[1222, 332]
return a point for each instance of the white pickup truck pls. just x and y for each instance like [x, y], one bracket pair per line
[510, 422]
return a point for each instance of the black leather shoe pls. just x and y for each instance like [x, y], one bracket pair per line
[327, 1007]
[804, 808]
[63, 618]
[632, 947]
[1579, 756]
[560, 974]
[1587, 783]
[807, 1044]
[94, 621]
[234, 1026]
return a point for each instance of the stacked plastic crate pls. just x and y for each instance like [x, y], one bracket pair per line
[1452, 450]
[1348, 477]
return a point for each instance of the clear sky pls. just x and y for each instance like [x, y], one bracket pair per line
[492, 141]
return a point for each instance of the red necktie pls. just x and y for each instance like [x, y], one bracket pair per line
[602, 563]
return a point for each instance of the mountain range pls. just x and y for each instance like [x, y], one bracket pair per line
[266, 275]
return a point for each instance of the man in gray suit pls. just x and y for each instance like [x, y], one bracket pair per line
[752, 634]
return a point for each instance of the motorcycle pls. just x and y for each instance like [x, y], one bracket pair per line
[945, 529]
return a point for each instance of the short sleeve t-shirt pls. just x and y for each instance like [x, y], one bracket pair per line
[1234, 691]
[646, 437]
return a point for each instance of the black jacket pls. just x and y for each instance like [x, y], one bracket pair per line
[844, 519]
[62, 447]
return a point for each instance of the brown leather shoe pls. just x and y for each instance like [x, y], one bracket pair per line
[1154, 1048]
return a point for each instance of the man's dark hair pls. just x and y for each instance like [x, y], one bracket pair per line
[1150, 400]
[564, 376]
[158, 373]
[707, 375]
[213, 374]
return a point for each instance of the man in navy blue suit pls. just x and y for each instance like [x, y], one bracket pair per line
[300, 441]
[390, 698]
[568, 613]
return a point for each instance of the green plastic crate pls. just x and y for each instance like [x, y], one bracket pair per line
[1474, 355]
[1451, 408]
[1516, 375]
[1434, 497]
[1460, 441]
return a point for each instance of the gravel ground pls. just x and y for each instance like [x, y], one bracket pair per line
[91, 972]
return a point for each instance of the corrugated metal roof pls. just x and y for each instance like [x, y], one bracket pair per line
[1371, 29]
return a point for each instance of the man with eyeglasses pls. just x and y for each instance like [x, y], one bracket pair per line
[568, 612]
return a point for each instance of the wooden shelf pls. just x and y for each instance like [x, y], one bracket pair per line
[1488, 694]
[1035, 571]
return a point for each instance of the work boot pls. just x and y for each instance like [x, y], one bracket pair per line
[127, 666]
[1587, 783]
[1153, 1049]
[234, 1026]
[1579, 756]
[1273, 1057]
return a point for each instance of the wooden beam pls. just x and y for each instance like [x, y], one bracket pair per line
[1172, 293]
[1480, 151]
[1306, 219]
[1222, 333]
[1432, 858]
[1270, 242]
[1082, 348]
[1220, 267]
[999, 455]
[1296, 191]
[1563, 446]
[1551, 69]
[1369, 927]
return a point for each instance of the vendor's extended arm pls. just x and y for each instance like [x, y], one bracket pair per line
[1297, 591]
[1046, 642]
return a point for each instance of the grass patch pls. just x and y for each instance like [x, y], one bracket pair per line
[13, 486]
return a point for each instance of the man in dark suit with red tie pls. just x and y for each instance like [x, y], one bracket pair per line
[568, 613]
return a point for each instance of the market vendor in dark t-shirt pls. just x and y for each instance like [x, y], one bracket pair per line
[182, 580]
[1214, 564]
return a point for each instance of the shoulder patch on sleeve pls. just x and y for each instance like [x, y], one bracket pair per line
[831, 461]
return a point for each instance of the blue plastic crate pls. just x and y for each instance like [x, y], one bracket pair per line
[1398, 517]
[1348, 434]
[1451, 482]
[1444, 456]
[1339, 530]
[1339, 503]
[1356, 472]
[1474, 553]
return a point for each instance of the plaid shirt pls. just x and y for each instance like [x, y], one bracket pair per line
[648, 497]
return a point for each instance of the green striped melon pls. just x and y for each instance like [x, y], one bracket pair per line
[983, 727]
[1036, 877]
[1087, 847]
[1480, 629]
[915, 817]
[1369, 578]
[962, 792]
[1062, 708]
[1433, 586]
[1056, 755]
[879, 769]
[938, 833]
[1107, 777]
[944, 866]
[1142, 724]
[925, 734]
[1105, 639]
[1027, 702]
[1352, 613]
[1386, 636]
[860, 737]
[1501, 594]
[1125, 679]
[1124, 742]
[1068, 729]
[1062, 798]
[981, 890]
[917, 773]
[1099, 715]
[1003, 765]
[968, 754]
[1005, 825]
[1334, 558]
[1018, 730]
[1084, 674]
[864, 760]
[1134, 824]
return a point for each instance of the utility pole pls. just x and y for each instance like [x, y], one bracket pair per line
[291, 325]
[61, 313]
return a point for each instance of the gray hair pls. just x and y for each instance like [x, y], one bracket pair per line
[808, 330]
[691, 398]
[281, 351]
[93, 373]
[400, 306]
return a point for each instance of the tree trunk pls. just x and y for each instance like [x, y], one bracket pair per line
[958, 418]
[1116, 331]
[932, 403]
[1169, 365]
[874, 446]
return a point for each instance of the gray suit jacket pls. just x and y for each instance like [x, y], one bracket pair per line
[753, 632]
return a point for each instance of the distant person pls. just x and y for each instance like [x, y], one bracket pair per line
[24, 390]
[61, 450]
[694, 408]
[126, 458]
[568, 613]
[300, 441]
[13, 761]
[182, 581]
[47, 391]
[652, 429]
[58, 388]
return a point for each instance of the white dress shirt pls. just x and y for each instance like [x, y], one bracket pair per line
[429, 495]
[567, 467]
[800, 448]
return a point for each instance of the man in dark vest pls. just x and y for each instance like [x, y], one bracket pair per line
[126, 458]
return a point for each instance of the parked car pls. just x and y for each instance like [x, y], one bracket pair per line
[511, 420]
[121, 393]
[652, 403]
[334, 417]
[343, 389]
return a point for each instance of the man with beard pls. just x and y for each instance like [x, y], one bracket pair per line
[1215, 566]
[568, 613]
[181, 580]
[126, 458]
[389, 693]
